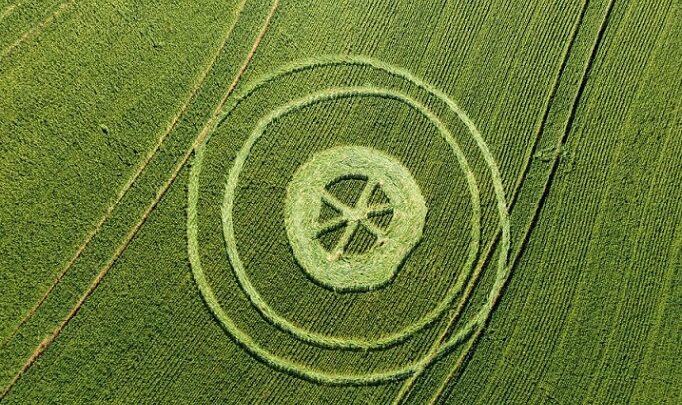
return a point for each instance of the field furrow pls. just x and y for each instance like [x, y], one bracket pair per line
[311, 202]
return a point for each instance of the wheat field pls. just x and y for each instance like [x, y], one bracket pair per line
[341, 202]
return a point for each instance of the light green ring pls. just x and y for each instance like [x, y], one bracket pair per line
[304, 371]
[238, 266]
[379, 266]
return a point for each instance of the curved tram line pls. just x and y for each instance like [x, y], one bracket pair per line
[50, 338]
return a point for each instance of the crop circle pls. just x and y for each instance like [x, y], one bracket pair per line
[303, 370]
[240, 271]
[309, 191]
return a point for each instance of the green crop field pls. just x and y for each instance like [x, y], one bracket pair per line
[341, 202]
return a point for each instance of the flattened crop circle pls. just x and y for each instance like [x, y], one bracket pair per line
[308, 191]
[303, 370]
[240, 271]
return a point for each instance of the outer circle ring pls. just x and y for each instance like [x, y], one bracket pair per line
[302, 370]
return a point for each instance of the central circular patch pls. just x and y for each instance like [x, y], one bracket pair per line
[352, 215]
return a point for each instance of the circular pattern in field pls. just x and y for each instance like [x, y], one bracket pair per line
[255, 297]
[340, 274]
[357, 244]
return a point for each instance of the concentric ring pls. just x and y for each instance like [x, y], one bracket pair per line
[334, 266]
[244, 339]
[240, 271]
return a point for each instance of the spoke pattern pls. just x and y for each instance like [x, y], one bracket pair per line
[340, 247]
[379, 210]
[374, 229]
[331, 225]
[352, 217]
[335, 203]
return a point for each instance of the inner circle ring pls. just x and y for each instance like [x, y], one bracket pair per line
[238, 266]
[301, 370]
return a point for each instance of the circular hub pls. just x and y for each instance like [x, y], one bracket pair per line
[352, 215]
